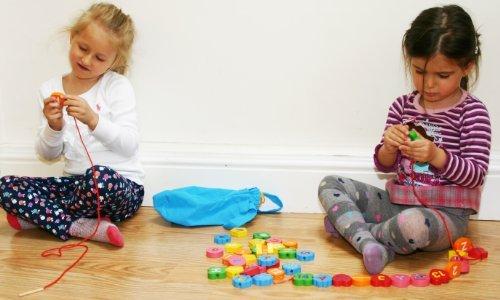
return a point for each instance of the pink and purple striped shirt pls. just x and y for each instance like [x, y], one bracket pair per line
[463, 131]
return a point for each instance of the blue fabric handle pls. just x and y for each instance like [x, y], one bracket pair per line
[276, 200]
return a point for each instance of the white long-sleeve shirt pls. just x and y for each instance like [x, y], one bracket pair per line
[113, 143]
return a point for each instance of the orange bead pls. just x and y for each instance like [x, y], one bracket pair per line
[361, 280]
[284, 279]
[277, 273]
[290, 244]
[225, 258]
[463, 244]
[59, 97]
[453, 269]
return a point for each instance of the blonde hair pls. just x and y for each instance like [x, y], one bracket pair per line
[119, 25]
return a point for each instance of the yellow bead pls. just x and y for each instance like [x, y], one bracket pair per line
[250, 259]
[255, 242]
[273, 248]
[233, 247]
[232, 271]
[238, 232]
[452, 253]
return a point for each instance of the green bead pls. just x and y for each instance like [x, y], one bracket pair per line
[261, 235]
[303, 279]
[287, 253]
[413, 135]
[216, 273]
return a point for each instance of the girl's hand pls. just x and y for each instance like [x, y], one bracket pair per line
[421, 150]
[395, 136]
[79, 108]
[52, 111]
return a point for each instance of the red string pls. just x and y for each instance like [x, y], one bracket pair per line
[58, 251]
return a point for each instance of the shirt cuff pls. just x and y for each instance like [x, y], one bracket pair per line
[380, 166]
[105, 131]
[52, 137]
[446, 166]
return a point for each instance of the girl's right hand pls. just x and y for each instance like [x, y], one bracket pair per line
[52, 111]
[395, 136]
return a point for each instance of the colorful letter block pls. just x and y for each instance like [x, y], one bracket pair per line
[305, 255]
[303, 279]
[420, 280]
[242, 281]
[342, 280]
[381, 280]
[438, 276]
[361, 280]
[463, 244]
[322, 280]
[400, 280]
[216, 273]
[232, 271]
[238, 232]
[287, 253]
[261, 235]
[214, 252]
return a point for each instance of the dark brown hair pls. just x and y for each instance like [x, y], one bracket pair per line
[448, 30]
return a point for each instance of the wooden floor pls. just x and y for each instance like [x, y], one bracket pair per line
[161, 261]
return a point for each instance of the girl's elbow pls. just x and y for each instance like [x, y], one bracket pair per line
[130, 149]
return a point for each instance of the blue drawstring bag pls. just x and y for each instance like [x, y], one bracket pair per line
[197, 206]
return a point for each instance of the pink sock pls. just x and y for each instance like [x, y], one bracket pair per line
[18, 223]
[107, 232]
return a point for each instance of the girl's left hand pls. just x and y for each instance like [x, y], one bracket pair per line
[79, 108]
[421, 150]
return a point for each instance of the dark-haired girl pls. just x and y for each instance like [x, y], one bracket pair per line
[440, 174]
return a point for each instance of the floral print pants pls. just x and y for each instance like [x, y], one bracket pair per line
[53, 203]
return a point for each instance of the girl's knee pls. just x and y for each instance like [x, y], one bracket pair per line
[7, 183]
[100, 170]
[414, 227]
[5, 180]
[330, 182]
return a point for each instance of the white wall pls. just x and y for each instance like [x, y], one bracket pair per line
[237, 93]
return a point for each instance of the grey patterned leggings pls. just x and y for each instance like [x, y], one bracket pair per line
[362, 213]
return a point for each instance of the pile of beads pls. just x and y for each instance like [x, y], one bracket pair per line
[260, 264]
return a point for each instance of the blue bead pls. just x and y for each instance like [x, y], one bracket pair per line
[222, 238]
[242, 281]
[291, 269]
[305, 255]
[322, 280]
[263, 279]
[267, 260]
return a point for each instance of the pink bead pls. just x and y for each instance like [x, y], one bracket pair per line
[214, 252]
[400, 280]
[273, 240]
[236, 260]
[464, 266]
[420, 280]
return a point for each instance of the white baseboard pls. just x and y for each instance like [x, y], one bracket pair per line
[292, 173]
